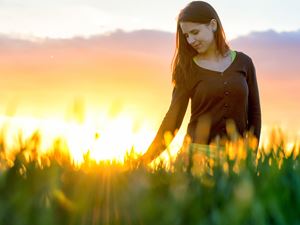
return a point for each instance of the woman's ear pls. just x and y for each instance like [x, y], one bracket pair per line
[213, 24]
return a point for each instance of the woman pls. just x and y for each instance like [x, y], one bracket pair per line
[220, 82]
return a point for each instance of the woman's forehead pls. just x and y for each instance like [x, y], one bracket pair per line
[189, 26]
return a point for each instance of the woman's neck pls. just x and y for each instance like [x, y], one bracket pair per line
[211, 55]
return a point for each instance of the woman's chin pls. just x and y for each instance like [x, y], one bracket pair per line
[201, 51]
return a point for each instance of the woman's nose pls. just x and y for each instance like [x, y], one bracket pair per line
[190, 40]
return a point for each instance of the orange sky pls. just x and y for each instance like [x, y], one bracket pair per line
[127, 73]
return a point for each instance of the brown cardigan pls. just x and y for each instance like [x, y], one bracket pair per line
[215, 98]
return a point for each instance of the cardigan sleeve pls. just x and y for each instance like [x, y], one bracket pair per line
[254, 110]
[171, 122]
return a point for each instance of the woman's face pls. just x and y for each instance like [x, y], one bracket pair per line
[199, 36]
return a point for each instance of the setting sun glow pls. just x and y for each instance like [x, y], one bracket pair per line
[107, 139]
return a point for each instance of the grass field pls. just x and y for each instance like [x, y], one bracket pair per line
[238, 185]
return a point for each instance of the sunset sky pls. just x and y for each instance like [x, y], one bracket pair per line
[106, 65]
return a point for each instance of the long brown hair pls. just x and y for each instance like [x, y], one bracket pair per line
[198, 12]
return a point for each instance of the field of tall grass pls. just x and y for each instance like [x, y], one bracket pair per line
[238, 184]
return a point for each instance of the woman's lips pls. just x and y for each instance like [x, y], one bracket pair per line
[197, 46]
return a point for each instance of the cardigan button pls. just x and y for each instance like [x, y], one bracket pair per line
[226, 105]
[226, 92]
[225, 82]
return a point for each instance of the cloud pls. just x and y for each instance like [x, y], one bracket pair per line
[275, 54]
[148, 41]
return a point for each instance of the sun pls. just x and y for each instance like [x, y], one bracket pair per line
[110, 141]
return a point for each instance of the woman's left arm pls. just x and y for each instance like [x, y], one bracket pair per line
[254, 110]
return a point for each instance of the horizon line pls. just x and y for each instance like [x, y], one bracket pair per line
[37, 38]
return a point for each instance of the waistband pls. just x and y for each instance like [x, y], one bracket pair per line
[212, 151]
